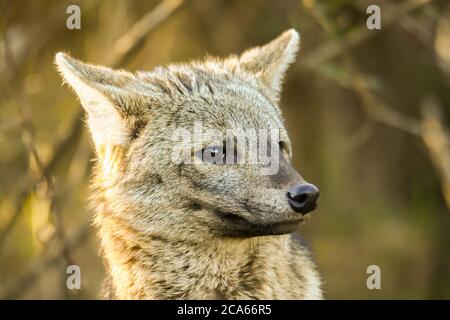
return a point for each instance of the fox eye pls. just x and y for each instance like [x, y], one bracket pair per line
[212, 155]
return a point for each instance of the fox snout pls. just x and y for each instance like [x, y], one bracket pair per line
[303, 197]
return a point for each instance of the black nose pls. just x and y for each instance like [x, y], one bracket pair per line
[303, 197]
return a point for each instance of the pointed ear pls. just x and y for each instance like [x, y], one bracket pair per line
[104, 94]
[271, 61]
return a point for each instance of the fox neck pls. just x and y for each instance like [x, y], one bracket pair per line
[148, 267]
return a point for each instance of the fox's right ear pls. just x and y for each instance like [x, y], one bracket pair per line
[104, 94]
[270, 61]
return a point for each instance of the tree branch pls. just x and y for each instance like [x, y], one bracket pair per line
[334, 47]
[437, 143]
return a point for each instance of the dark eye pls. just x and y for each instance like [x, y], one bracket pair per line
[212, 155]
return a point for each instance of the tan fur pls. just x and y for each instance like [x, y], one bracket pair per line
[169, 231]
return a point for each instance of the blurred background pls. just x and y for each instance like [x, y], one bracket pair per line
[367, 110]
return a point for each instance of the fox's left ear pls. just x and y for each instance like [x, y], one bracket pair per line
[270, 62]
[110, 97]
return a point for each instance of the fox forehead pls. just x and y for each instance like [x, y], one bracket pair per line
[220, 98]
[237, 91]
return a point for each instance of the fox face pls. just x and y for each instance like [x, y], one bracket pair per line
[142, 122]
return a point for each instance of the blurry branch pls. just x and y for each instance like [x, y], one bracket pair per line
[378, 111]
[417, 30]
[431, 129]
[374, 108]
[17, 287]
[4, 127]
[28, 140]
[334, 47]
[131, 41]
[127, 45]
[64, 146]
[18, 206]
[437, 143]
[359, 137]
[361, 84]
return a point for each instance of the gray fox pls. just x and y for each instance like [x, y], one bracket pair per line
[204, 230]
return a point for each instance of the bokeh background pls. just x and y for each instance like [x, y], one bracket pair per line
[367, 110]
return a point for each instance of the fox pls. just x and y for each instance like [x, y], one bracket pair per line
[204, 230]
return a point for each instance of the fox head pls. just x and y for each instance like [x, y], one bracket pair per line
[132, 118]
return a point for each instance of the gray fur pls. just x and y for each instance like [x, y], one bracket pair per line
[178, 231]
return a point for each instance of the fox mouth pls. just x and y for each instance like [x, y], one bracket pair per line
[234, 224]
[238, 226]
